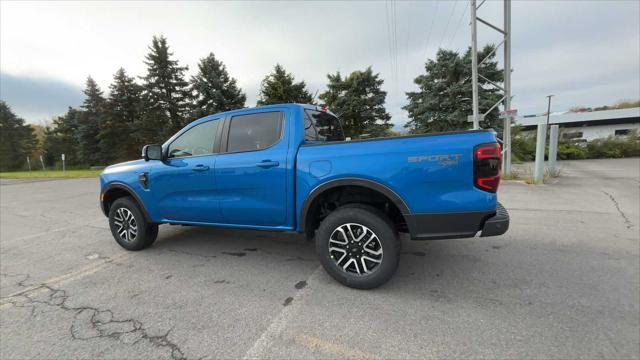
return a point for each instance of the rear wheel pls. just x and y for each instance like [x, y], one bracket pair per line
[129, 227]
[358, 246]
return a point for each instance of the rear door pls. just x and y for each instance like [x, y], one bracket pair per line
[251, 173]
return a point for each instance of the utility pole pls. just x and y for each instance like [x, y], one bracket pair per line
[507, 89]
[508, 113]
[474, 63]
[549, 109]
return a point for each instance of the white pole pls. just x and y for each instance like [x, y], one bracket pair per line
[538, 174]
[42, 162]
[474, 63]
[29, 163]
[507, 87]
[553, 147]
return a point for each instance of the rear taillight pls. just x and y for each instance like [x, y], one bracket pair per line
[487, 163]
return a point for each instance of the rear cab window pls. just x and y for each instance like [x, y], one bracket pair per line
[321, 126]
[253, 132]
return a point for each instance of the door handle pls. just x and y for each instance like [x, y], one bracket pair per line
[201, 167]
[265, 164]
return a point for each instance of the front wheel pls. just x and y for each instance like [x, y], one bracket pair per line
[358, 246]
[129, 226]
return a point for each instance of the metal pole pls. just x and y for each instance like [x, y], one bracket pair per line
[538, 173]
[553, 148]
[42, 162]
[548, 110]
[507, 88]
[29, 163]
[474, 64]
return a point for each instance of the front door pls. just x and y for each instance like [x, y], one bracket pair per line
[184, 185]
[252, 174]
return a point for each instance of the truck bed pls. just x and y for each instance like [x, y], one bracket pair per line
[432, 173]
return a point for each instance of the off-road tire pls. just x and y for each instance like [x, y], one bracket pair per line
[122, 227]
[370, 220]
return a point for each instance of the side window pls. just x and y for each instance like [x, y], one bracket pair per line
[199, 140]
[322, 126]
[254, 131]
[310, 132]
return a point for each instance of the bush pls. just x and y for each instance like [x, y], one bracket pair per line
[571, 151]
[523, 148]
[614, 147]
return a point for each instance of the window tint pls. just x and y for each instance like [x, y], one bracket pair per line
[322, 126]
[254, 131]
[199, 140]
[310, 132]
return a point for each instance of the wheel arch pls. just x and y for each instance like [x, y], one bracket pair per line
[311, 203]
[114, 191]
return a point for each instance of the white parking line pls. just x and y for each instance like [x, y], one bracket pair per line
[279, 323]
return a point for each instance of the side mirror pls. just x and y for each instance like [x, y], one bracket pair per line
[152, 152]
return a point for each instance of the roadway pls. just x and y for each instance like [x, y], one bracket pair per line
[562, 283]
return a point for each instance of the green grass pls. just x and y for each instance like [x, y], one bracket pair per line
[49, 174]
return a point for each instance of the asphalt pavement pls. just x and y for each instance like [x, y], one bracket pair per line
[564, 282]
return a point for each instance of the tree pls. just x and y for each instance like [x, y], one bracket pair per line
[358, 100]
[279, 87]
[444, 98]
[90, 123]
[60, 138]
[123, 112]
[166, 94]
[37, 151]
[214, 90]
[17, 139]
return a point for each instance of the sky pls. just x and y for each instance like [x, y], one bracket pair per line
[584, 52]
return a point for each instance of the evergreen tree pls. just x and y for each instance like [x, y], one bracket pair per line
[123, 113]
[60, 138]
[214, 90]
[17, 139]
[166, 94]
[279, 87]
[444, 99]
[90, 123]
[358, 100]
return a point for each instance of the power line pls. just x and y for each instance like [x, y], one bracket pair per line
[395, 41]
[392, 33]
[466, 8]
[433, 20]
[408, 38]
[448, 21]
[389, 39]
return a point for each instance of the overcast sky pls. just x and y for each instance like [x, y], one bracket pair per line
[584, 52]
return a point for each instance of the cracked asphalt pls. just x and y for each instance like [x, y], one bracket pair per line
[562, 283]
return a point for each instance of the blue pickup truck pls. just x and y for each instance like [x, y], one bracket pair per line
[289, 167]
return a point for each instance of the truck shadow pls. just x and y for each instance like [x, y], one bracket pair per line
[213, 242]
[431, 268]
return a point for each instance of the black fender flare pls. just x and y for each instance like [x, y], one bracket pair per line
[127, 189]
[370, 184]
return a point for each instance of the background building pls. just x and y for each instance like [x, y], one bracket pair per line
[587, 126]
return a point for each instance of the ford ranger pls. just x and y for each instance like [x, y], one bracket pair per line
[290, 168]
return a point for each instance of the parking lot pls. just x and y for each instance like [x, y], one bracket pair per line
[562, 283]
